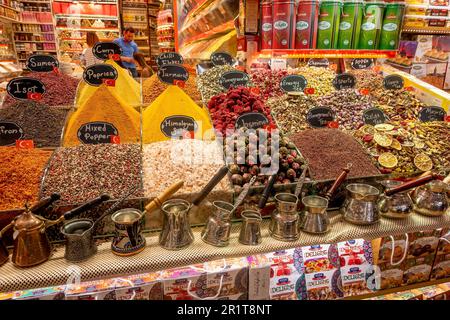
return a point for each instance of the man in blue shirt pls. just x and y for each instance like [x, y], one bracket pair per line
[129, 48]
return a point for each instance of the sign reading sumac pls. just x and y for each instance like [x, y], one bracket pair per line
[9, 133]
[102, 50]
[319, 117]
[24, 88]
[433, 113]
[361, 63]
[374, 116]
[393, 82]
[234, 79]
[169, 58]
[97, 132]
[95, 74]
[252, 120]
[221, 58]
[316, 62]
[178, 125]
[344, 81]
[42, 63]
[293, 83]
[170, 73]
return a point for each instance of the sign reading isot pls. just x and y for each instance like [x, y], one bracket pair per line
[25, 88]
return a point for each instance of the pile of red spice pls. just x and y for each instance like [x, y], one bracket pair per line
[226, 108]
[268, 82]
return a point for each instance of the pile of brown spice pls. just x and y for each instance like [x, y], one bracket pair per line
[153, 87]
[328, 151]
[60, 89]
[20, 176]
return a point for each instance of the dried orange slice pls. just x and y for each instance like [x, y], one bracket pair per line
[388, 160]
[382, 139]
[419, 144]
[423, 162]
[396, 145]
[367, 129]
[384, 127]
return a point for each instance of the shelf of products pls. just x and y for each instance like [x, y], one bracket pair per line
[165, 30]
[6, 46]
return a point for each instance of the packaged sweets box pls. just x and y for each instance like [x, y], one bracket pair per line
[49, 293]
[92, 290]
[139, 287]
[225, 279]
[441, 265]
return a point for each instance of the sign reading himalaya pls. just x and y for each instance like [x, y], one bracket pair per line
[178, 125]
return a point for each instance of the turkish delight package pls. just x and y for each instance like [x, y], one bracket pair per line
[356, 267]
[225, 279]
[431, 293]
[390, 276]
[6, 296]
[417, 270]
[393, 249]
[258, 277]
[50, 293]
[285, 271]
[139, 287]
[322, 278]
[92, 290]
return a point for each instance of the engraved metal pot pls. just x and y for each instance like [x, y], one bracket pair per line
[218, 227]
[315, 218]
[431, 199]
[80, 243]
[285, 223]
[176, 231]
[250, 233]
[361, 204]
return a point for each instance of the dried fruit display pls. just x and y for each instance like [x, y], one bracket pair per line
[208, 82]
[319, 79]
[368, 79]
[268, 82]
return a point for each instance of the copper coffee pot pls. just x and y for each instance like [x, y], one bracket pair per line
[31, 245]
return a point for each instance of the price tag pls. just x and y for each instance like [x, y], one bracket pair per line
[97, 132]
[9, 133]
[169, 58]
[319, 117]
[316, 62]
[25, 88]
[393, 82]
[96, 74]
[278, 64]
[107, 49]
[374, 116]
[344, 81]
[221, 58]
[251, 120]
[172, 72]
[361, 63]
[433, 113]
[42, 63]
[234, 79]
[293, 83]
[178, 125]
[24, 144]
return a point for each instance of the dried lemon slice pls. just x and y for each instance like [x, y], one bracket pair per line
[396, 145]
[423, 162]
[384, 127]
[408, 143]
[387, 160]
[367, 129]
[419, 144]
[383, 140]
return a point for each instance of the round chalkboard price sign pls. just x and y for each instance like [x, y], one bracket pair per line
[102, 50]
[97, 132]
[169, 58]
[293, 83]
[361, 63]
[171, 73]
[374, 116]
[42, 63]
[344, 81]
[252, 120]
[25, 88]
[221, 58]
[393, 82]
[319, 117]
[234, 79]
[178, 125]
[433, 113]
[318, 62]
[97, 73]
[9, 133]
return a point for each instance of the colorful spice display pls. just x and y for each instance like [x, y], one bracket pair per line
[191, 160]
[319, 79]
[153, 87]
[172, 113]
[268, 82]
[60, 89]
[208, 82]
[290, 111]
[40, 123]
[104, 106]
[348, 105]
[259, 142]
[87, 171]
[20, 176]
[368, 79]
[225, 108]
[328, 151]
